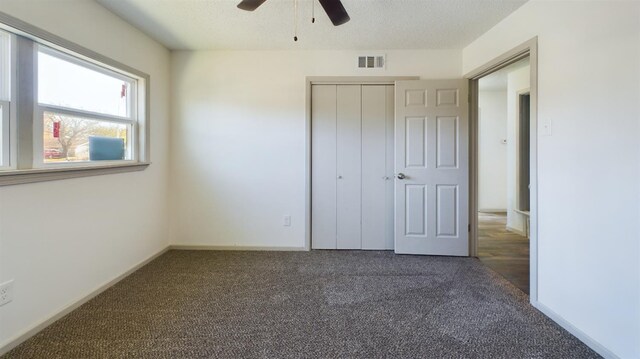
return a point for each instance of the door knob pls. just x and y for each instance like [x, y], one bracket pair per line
[339, 177]
[401, 176]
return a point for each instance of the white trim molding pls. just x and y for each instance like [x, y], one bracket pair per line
[208, 247]
[15, 177]
[590, 342]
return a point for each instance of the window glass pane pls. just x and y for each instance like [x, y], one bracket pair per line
[5, 66]
[3, 138]
[75, 139]
[66, 84]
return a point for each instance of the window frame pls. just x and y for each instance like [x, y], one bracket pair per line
[40, 109]
[25, 113]
[8, 121]
[5, 135]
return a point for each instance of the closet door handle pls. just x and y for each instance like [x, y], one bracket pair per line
[401, 176]
[339, 177]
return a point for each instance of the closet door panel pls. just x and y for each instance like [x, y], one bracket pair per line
[374, 167]
[389, 166]
[323, 167]
[348, 157]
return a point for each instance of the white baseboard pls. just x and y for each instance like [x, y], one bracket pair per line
[492, 210]
[20, 338]
[590, 342]
[517, 231]
[208, 247]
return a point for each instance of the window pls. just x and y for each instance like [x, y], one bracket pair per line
[5, 97]
[84, 114]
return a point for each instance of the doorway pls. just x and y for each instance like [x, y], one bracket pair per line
[503, 156]
[503, 172]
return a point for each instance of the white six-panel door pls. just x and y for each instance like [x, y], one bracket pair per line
[352, 166]
[431, 158]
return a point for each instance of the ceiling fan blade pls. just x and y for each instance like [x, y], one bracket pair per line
[336, 12]
[250, 5]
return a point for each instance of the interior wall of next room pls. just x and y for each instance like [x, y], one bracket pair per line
[492, 150]
[517, 83]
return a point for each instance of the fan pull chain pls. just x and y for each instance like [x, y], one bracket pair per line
[295, 20]
[313, 11]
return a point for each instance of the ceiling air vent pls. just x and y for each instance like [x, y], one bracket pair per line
[371, 62]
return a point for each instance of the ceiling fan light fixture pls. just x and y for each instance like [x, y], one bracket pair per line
[334, 9]
[250, 5]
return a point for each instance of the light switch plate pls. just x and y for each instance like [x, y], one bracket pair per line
[545, 129]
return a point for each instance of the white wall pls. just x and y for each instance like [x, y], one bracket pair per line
[492, 152]
[238, 150]
[517, 81]
[589, 167]
[61, 240]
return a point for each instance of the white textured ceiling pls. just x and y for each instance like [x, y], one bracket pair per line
[375, 24]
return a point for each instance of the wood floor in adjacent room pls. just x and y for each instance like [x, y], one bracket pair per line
[503, 251]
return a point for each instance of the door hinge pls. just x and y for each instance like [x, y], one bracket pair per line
[468, 228]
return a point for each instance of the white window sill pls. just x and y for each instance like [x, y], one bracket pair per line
[14, 177]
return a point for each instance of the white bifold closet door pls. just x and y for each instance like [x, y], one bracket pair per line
[352, 166]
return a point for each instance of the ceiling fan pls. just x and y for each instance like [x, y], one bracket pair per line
[334, 9]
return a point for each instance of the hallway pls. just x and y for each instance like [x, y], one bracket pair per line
[505, 252]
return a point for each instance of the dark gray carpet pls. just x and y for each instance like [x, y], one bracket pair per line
[319, 304]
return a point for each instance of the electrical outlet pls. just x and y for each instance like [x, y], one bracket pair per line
[6, 292]
[287, 221]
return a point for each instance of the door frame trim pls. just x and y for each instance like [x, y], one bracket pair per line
[519, 93]
[526, 49]
[330, 80]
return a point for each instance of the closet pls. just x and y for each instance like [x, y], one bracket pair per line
[352, 139]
